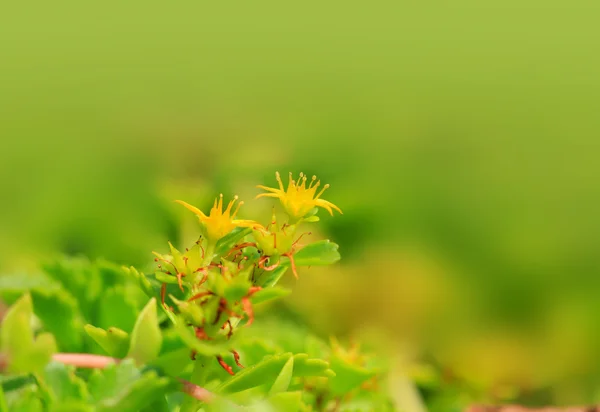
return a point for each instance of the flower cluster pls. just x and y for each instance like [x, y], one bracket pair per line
[211, 286]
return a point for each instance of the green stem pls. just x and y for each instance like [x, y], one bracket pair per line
[44, 389]
[3, 405]
[198, 378]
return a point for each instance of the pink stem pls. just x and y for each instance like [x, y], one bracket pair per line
[84, 360]
[196, 391]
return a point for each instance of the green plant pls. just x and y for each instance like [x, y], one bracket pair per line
[183, 337]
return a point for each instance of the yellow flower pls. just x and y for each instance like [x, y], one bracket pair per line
[298, 200]
[219, 223]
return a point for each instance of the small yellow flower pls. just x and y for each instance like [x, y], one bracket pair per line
[219, 223]
[298, 200]
[351, 355]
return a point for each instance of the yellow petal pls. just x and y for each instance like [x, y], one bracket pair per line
[327, 205]
[269, 189]
[246, 223]
[268, 195]
[192, 208]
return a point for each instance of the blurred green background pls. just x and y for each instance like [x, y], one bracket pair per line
[459, 138]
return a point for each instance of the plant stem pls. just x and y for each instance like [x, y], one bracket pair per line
[85, 360]
[196, 391]
[3, 405]
[198, 378]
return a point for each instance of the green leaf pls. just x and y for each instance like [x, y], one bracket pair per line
[323, 252]
[268, 371]
[191, 311]
[159, 405]
[347, 376]
[110, 273]
[202, 347]
[228, 241]
[286, 401]
[24, 353]
[3, 404]
[114, 340]
[224, 405]
[141, 279]
[174, 362]
[164, 278]
[122, 387]
[269, 279]
[270, 293]
[72, 406]
[80, 278]
[60, 314]
[284, 378]
[255, 349]
[116, 309]
[11, 383]
[263, 373]
[28, 401]
[177, 260]
[63, 384]
[146, 337]
[315, 347]
[22, 282]
[237, 289]
[305, 366]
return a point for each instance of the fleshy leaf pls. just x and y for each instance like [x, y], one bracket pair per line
[22, 282]
[24, 353]
[268, 279]
[27, 401]
[64, 385]
[116, 309]
[237, 289]
[146, 337]
[122, 387]
[202, 347]
[284, 378]
[80, 278]
[348, 376]
[263, 373]
[192, 312]
[174, 362]
[59, 312]
[271, 293]
[114, 340]
[164, 278]
[225, 405]
[177, 257]
[286, 401]
[142, 280]
[305, 366]
[323, 252]
[229, 240]
[267, 371]
[3, 404]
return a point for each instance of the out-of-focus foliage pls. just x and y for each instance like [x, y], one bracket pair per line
[191, 335]
[461, 139]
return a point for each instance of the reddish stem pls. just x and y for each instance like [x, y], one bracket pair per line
[196, 391]
[84, 360]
